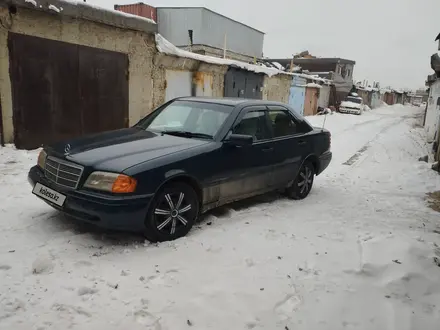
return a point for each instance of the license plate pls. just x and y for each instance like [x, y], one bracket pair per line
[49, 194]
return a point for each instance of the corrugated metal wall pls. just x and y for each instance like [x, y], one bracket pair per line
[297, 94]
[239, 38]
[209, 28]
[173, 24]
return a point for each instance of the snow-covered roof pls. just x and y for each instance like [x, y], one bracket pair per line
[87, 11]
[313, 85]
[367, 88]
[166, 47]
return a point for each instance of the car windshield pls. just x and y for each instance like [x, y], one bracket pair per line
[188, 118]
[354, 100]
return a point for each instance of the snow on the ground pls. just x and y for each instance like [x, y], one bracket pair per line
[358, 253]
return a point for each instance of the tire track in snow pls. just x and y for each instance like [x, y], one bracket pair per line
[354, 158]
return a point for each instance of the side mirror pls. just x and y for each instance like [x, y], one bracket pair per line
[239, 140]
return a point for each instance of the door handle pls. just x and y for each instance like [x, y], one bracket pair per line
[267, 149]
[302, 142]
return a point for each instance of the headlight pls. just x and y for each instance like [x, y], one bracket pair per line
[42, 159]
[111, 182]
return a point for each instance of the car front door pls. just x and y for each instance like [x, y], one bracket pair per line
[248, 168]
[290, 145]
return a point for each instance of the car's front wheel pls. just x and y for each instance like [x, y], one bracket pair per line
[172, 213]
[303, 183]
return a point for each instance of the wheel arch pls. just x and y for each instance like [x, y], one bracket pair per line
[315, 162]
[187, 179]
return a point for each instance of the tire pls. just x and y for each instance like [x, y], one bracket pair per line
[172, 213]
[303, 183]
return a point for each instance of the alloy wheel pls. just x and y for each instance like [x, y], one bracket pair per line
[171, 212]
[305, 180]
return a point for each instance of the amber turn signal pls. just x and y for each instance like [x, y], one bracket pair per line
[124, 184]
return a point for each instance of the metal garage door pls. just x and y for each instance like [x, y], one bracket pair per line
[178, 84]
[62, 90]
[241, 83]
[203, 83]
[297, 94]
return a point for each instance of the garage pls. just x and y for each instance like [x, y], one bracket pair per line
[62, 90]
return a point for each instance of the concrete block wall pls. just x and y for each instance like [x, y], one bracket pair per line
[139, 46]
[277, 88]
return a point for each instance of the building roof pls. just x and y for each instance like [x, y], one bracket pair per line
[166, 47]
[85, 11]
[326, 60]
[204, 8]
[322, 60]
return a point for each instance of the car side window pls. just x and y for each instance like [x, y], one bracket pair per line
[253, 123]
[282, 123]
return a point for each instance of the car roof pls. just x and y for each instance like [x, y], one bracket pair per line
[232, 101]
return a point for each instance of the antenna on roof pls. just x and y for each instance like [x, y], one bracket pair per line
[325, 118]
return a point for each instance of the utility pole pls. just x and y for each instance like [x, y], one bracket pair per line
[224, 47]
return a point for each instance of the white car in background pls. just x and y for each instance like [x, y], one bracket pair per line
[353, 104]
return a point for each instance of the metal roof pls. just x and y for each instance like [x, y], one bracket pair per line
[204, 8]
[323, 60]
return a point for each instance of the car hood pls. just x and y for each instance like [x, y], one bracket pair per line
[121, 149]
[349, 104]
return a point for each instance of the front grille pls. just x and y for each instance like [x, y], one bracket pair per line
[63, 173]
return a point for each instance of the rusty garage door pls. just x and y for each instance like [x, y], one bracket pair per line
[62, 90]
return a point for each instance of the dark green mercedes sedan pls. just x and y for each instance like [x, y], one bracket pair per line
[186, 157]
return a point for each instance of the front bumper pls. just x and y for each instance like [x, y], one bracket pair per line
[125, 213]
[350, 111]
[324, 161]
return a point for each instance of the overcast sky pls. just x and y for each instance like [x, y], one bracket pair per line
[390, 40]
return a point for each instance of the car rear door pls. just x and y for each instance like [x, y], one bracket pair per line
[290, 145]
[249, 168]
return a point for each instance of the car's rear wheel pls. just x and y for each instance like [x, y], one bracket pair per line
[172, 213]
[303, 183]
